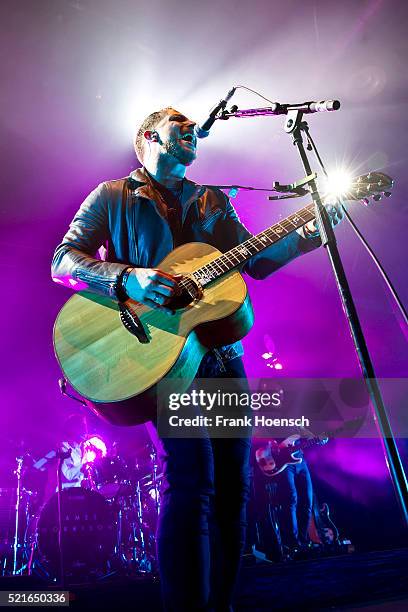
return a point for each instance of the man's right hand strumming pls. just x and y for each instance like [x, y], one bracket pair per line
[152, 287]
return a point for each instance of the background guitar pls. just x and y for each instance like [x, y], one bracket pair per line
[274, 457]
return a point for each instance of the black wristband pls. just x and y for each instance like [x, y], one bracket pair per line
[121, 284]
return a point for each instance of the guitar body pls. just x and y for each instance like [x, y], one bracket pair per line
[115, 372]
[276, 460]
[322, 530]
[286, 457]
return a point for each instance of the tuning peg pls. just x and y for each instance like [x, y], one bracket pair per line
[365, 201]
[377, 197]
[387, 194]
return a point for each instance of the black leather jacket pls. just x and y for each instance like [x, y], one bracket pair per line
[125, 222]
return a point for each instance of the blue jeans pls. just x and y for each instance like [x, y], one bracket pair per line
[295, 492]
[202, 523]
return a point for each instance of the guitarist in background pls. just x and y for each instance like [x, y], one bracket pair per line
[134, 223]
[294, 490]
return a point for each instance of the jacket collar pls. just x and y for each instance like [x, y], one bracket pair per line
[145, 189]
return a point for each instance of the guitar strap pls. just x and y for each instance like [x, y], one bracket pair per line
[127, 186]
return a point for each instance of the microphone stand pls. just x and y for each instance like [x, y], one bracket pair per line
[295, 125]
[61, 455]
[17, 507]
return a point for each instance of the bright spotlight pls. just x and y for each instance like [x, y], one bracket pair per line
[338, 184]
[89, 456]
[93, 448]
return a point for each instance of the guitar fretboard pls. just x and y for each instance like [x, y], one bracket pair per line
[238, 255]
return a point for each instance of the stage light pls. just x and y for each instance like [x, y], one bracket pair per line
[89, 456]
[94, 447]
[154, 494]
[338, 184]
[275, 365]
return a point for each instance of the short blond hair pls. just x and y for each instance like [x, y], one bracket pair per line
[149, 123]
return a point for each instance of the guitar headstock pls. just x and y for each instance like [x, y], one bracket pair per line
[372, 185]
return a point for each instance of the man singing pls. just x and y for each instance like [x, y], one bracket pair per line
[135, 222]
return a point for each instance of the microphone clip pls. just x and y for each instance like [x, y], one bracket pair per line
[225, 114]
[292, 190]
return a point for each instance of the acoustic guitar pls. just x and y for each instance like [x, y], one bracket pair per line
[115, 354]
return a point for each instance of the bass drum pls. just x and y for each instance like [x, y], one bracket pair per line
[111, 477]
[89, 533]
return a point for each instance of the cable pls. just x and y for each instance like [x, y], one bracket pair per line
[363, 240]
[379, 266]
[242, 187]
[253, 91]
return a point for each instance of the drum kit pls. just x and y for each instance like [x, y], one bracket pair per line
[106, 526]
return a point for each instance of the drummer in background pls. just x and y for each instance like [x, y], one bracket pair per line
[75, 433]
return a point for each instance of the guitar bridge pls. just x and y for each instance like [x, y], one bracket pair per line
[132, 323]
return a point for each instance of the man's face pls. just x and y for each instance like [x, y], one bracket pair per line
[177, 137]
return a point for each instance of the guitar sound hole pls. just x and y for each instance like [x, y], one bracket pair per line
[189, 292]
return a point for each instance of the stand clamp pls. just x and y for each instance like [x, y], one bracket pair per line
[293, 190]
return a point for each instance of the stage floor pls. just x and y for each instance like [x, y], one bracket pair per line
[375, 581]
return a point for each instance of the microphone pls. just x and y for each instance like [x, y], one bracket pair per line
[323, 105]
[283, 109]
[202, 131]
[63, 454]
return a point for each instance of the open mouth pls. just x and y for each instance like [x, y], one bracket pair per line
[190, 139]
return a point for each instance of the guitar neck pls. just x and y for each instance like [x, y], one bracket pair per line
[373, 184]
[238, 255]
[308, 443]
